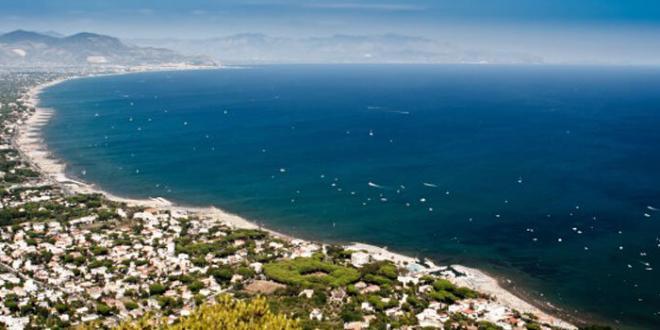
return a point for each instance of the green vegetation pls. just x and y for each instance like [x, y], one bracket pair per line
[380, 272]
[380, 305]
[245, 234]
[130, 305]
[221, 274]
[311, 272]
[157, 289]
[105, 251]
[50, 210]
[350, 313]
[226, 313]
[445, 291]
[104, 309]
[485, 325]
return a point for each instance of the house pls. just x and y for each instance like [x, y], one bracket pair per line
[367, 307]
[372, 288]
[83, 221]
[337, 295]
[359, 259]
[257, 266]
[356, 325]
[307, 293]
[408, 280]
[14, 323]
[316, 315]
[429, 318]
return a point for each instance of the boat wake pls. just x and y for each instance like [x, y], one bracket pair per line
[381, 109]
[371, 184]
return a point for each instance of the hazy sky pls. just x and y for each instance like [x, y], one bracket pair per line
[561, 30]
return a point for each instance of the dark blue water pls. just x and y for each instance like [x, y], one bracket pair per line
[539, 174]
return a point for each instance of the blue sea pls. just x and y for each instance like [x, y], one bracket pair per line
[548, 176]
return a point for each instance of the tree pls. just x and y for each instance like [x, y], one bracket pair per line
[156, 289]
[226, 313]
[195, 286]
[221, 274]
[104, 309]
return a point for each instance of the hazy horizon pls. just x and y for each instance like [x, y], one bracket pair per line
[563, 31]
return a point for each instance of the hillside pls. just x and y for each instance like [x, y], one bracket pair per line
[25, 48]
[257, 48]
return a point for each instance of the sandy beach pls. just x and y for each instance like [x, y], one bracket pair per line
[30, 143]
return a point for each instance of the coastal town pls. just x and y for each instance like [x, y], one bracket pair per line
[74, 257]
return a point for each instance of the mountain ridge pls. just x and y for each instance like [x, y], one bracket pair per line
[28, 48]
[261, 48]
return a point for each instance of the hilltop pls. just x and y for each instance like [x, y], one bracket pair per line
[26, 48]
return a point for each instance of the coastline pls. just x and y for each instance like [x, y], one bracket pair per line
[29, 142]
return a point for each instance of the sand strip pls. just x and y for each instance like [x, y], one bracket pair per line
[30, 144]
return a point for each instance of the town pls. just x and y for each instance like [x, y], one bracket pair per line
[69, 259]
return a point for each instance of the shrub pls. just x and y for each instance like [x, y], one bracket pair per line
[376, 279]
[379, 304]
[169, 302]
[104, 309]
[319, 298]
[195, 286]
[352, 290]
[444, 296]
[221, 274]
[225, 313]
[445, 291]
[246, 272]
[485, 325]
[131, 279]
[443, 284]
[61, 308]
[185, 278]
[416, 302]
[252, 234]
[99, 250]
[380, 272]
[199, 261]
[465, 293]
[11, 303]
[156, 289]
[350, 313]
[131, 305]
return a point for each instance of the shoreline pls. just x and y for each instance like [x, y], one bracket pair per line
[29, 142]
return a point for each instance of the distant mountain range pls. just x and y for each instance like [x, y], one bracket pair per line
[255, 48]
[25, 48]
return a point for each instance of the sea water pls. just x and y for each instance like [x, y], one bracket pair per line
[548, 176]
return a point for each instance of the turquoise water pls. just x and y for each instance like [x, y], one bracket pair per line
[540, 174]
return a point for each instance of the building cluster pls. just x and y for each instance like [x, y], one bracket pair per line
[417, 281]
[83, 270]
[71, 259]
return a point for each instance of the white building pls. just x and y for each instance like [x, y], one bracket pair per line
[429, 318]
[359, 259]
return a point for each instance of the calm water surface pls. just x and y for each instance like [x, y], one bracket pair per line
[546, 175]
